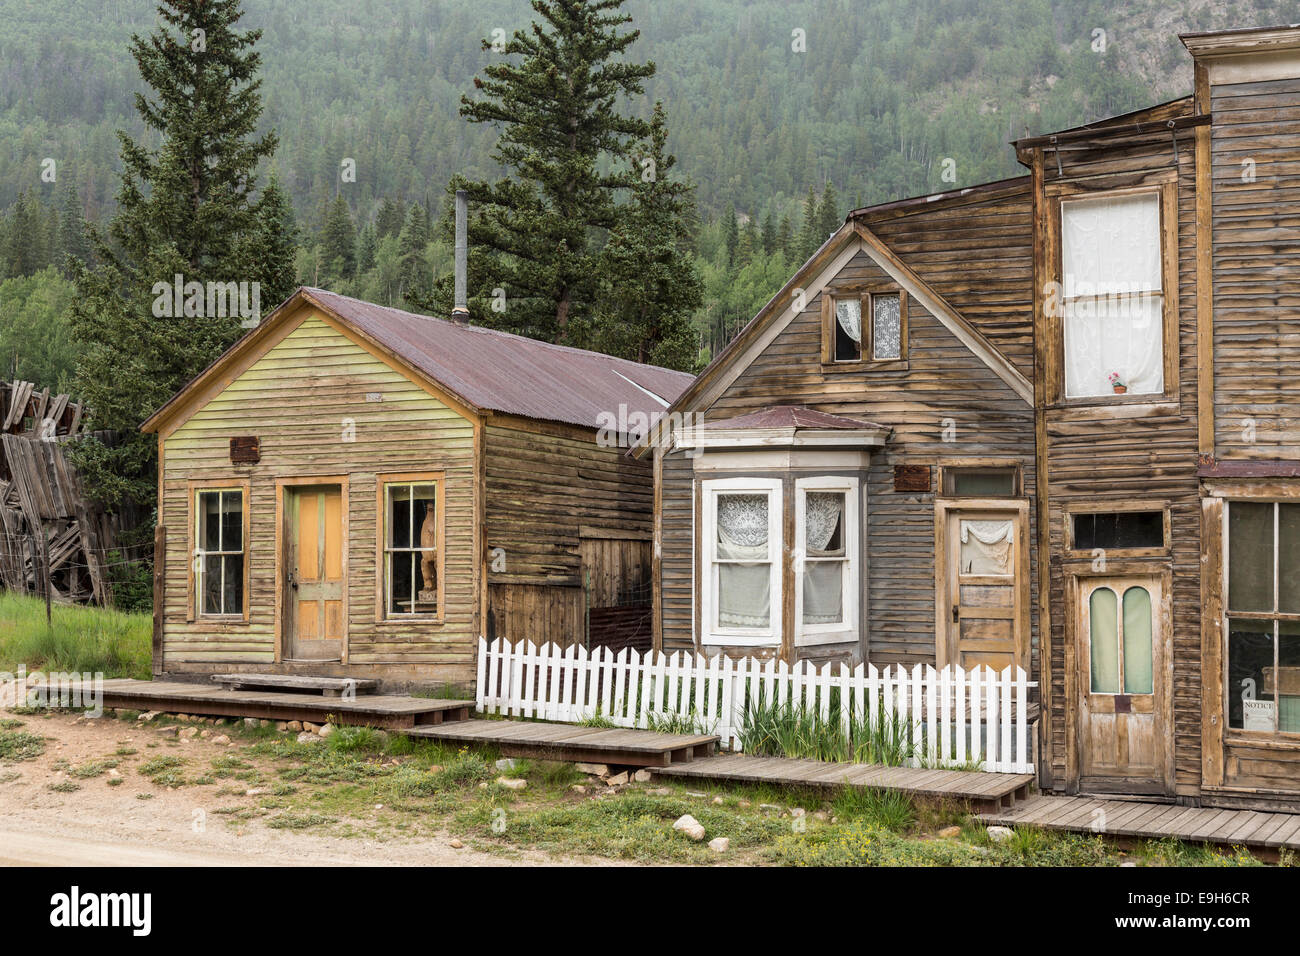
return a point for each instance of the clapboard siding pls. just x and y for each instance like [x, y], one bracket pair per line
[296, 398]
[1256, 253]
[677, 535]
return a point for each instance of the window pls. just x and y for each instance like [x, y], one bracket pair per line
[1119, 641]
[1118, 530]
[219, 552]
[742, 556]
[826, 527]
[980, 482]
[882, 337]
[1263, 609]
[1112, 305]
[412, 536]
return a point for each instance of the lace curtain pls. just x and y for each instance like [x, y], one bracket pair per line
[744, 588]
[986, 547]
[823, 581]
[887, 328]
[848, 313]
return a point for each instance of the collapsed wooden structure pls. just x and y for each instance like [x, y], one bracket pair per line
[51, 536]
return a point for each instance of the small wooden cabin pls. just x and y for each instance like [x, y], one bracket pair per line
[354, 490]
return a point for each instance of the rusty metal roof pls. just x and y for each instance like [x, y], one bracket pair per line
[500, 372]
[791, 416]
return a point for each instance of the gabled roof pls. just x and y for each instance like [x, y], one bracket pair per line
[485, 369]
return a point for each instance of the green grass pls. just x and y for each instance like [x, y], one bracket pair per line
[20, 745]
[785, 730]
[81, 639]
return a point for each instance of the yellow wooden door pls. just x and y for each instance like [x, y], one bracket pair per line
[985, 589]
[317, 617]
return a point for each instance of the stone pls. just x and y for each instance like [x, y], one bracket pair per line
[720, 844]
[456, 845]
[148, 715]
[1000, 834]
[1129, 863]
[578, 788]
[690, 826]
[264, 723]
[949, 833]
[743, 804]
[251, 722]
[769, 807]
[295, 726]
[256, 792]
[114, 772]
[512, 783]
[642, 776]
[308, 738]
[618, 780]
[311, 728]
[718, 801]
[822, 815]
[506, 764]
[325, 731]
[221, 740]
[205, 734]
[695, 793]
[798, 812]
[171, 731]
[189, 733]
[282, 726]
[593, 769]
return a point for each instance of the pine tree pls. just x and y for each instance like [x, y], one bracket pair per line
[416, 283]
[808, 242]
[367, 243]
[829, 218]
[730, 232]
[389, 220]
[650, 288]
[73, 242]
[185, 208]
[276, 237]
[554, 95]
[339, 240]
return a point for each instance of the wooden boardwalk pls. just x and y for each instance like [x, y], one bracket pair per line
[376, 710]
[977, 789]
[629, 748]
[1130, 819]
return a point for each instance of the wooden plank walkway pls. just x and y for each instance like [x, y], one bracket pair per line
[328, 686]
[1130, 819]
[978, 789]
[630, 748]
[376, 710]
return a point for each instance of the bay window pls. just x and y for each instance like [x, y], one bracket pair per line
[826, 564]
[742, 554]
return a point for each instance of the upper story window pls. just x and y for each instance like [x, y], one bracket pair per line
[865, 327]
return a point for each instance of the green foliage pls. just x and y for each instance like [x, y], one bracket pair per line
[83, 639]
[35, 340]
[784, 729]
[20, 745]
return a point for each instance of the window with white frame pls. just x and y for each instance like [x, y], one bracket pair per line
[742, 547]
[219, 552]
[410, 540]
[1112, 295]
[826, 529]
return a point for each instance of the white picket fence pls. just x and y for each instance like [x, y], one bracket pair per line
[953, 717]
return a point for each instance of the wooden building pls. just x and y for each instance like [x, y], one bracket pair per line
[1052, 420]
[353, 490]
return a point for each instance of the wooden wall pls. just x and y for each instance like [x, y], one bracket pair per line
[295, 399]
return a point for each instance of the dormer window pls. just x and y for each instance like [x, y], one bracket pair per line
[864, 327]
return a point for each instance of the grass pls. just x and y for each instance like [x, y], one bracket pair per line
[20, 745]
[782, 729]
[81, 639]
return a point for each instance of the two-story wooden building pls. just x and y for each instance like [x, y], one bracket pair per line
[1053, 420]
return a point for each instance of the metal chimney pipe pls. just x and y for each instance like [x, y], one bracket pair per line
[460, 311]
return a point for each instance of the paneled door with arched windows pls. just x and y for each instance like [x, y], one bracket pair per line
[1121, 675]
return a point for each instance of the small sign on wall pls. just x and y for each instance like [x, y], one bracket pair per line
[245, 450]
[1257, 715]
[912, 478]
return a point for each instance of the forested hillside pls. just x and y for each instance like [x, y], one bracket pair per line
[766, 100]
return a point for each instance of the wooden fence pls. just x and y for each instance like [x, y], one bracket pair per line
[977, 718]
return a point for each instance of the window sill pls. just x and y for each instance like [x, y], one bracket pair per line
[828, 637]
[413, 619]
[1259, 738]
[216, 623]
[1143, 407]
[741, 640]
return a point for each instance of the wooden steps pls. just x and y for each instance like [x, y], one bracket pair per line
[376, 710]
[327, 686]
[1130, 819]
[974, 788]
[628, 748]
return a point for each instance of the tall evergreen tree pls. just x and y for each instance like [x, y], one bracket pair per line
[339, 240]
[555, 97]
[829, 218]
[808, 242]
[730, 233]
[276, 237]
[73, 243]
[416, 283]
[185, 207]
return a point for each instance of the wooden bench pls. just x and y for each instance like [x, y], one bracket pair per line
[327, 686]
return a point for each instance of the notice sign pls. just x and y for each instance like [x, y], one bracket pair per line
[1257, 715]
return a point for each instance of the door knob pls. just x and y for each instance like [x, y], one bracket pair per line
[956, 616]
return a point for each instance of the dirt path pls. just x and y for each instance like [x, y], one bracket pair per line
[101, 824]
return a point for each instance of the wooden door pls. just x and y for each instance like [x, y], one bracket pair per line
[984, 598]
[1121, 685]
[315, 604]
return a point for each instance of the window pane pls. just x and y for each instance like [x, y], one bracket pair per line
[1288, 558]
[425, 523]
[824, 523]
[1250, 694]
[887, 330]
[402, 584]
[742, 527]
[823, 592]
[232, 521]
[1103, 640]
[1123, 529]
[1111, 244]
[986, 547]
[209, 508]
[1250, 556]
[744, 595]
[1137, 641]
[210, 599]
[848, 330]
[982, 483]
[399, 516]
[1114, 341]
[233, 573]
[1287, 683]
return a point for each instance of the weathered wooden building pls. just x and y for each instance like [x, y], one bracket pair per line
[353, 490]
[1051, 420]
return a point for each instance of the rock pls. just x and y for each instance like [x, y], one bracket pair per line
[949, 833]
[798, 812]
[221, 739]
[310, 727]
[506, 764]
[256, 792]
[295, 726]
[148, 715]
[512, 783]
[642, 776]
[822, 815]
[205, 734]
[1129, 863]
[690, 826]
[578, 788]
[282, 726]
[325, 731]
[456, 845]
[264, 723]
[379, 806]
[593, 769]
[695, 793]
[171, 731]
[251, 722]
[743, 804]
[718, 801]
[1000, 834]
[435, 768]
[618, 780]
[114, 772]
[308, 738]
[720, 844]
[769, 807]
[188, 733]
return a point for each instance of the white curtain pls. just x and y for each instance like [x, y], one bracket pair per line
[1111, 273]
[848, 313]
[823, 581]
[986, 547]
[887, 328]
[744, 588]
